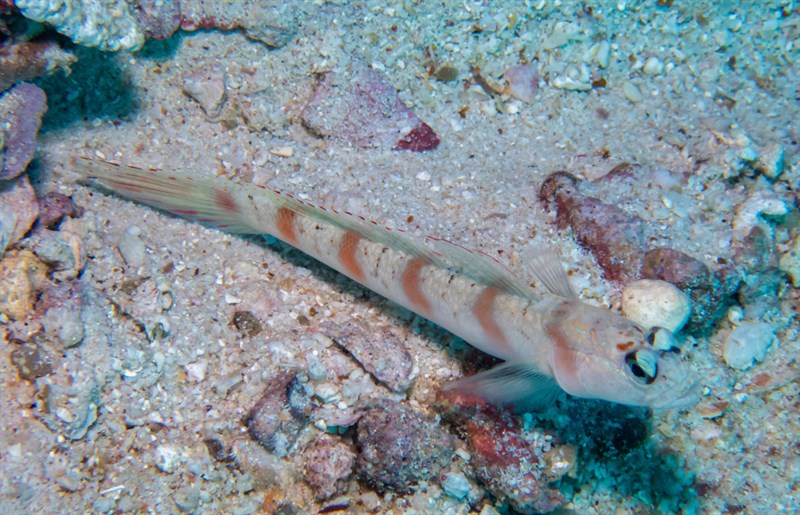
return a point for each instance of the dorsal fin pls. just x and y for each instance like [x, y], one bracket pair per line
[481, 267]
[545, 266]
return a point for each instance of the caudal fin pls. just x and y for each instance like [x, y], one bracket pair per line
[207, 200]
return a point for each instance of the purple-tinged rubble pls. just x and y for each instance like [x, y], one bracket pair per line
[280, 414]
[400, 446]
[329, 464]
[20, 210]
[21, 108]
[383, 355]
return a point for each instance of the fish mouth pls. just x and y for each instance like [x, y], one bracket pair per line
[685, 398]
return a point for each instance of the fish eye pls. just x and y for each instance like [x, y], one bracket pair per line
[642, 365]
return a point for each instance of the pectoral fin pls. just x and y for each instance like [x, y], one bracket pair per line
[511, 383]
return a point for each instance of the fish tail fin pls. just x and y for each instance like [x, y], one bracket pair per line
[207, 200]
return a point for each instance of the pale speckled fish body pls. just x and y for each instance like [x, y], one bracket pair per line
[548, 339]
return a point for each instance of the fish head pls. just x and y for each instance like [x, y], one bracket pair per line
[598, 354]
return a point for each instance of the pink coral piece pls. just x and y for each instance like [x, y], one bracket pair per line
[362, 108]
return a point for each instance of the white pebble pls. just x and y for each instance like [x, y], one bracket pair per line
[653, 303]
[167, 458]
[564, 82]
[631, 92]
[653, 66]
[196, 371]
[747, 344]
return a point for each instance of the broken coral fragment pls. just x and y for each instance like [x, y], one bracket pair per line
[21, 108]
[360, 106]
[19, 211]
[105, 24]
[523, 81]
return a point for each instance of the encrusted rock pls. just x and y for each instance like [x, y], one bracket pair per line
[400, 446]
[383, 355]
[512, 464]
[281, 412]
[329, 464]
[615, 238]
[271, 22]
[29, 60]
[159, 19]
[106, 24]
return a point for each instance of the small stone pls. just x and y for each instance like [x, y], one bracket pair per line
[131, 247]
[771, 161]
[790, 262]
[207, 87]
[30, 362]
[196, 371]
[329, 463]
[54, 207]
[400, 446]
[64, 322]
[187, 499]
[281, 412]
[568, 83]
[456, 485]
[282, 151]
[22, 277]
[654, 303]
[523, 81]
[747, 344]
[558, 37]
[749, 214]
[246, 323]
[168, 457]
